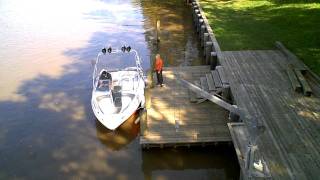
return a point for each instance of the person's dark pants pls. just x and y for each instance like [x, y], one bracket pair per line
[159, 77]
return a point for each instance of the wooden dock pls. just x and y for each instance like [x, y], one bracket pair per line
[174, 119]
[262, 89]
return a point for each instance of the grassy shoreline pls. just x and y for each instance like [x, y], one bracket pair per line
[257, 24]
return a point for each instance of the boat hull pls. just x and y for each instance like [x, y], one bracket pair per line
[113, 120]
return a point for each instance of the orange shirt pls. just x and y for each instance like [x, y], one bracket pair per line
[158, 64]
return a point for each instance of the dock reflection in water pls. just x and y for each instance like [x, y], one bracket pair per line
[190, 163]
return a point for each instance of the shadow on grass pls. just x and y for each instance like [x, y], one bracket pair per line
[280, 2]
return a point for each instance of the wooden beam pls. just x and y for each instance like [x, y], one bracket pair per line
[293, 79]
[291, 57]
[305, 86]
[209, 96]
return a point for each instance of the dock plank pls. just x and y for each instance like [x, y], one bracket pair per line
[261, 87]
[204, 84]
[172, 119]
[210, 82]
[293, 79]
[216, 79]
[222, 75]
[305, 86]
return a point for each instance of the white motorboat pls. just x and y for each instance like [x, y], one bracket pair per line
[118, 86]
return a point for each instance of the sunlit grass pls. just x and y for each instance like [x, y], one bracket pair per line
[257, 24]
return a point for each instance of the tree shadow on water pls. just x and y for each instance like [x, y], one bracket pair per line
[53, 133]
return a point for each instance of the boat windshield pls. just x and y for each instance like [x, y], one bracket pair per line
[116, 61]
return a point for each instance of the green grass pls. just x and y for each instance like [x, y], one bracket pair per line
[257, 24]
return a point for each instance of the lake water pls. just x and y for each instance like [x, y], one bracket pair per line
[47, 128]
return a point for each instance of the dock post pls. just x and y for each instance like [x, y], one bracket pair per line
[213, 60]
[194, 14]
[158, 31]
[199, 23]
[196, 19]
[202, 31]
[205, 39]
[226, 92]
[233, 116]
[208, 49]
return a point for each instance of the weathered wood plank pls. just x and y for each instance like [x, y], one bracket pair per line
[305, 86]
[173, 119]
[204, 84]
[192, 96]
[216, 79]
[197, 83]
[293, 59]
[210, 97]
[240, 143]
[222, 75]
[293, 79]
[261, 88]
[210, 82]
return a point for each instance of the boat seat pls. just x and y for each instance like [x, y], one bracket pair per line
[105, 76]
[127, 84]
[116, 94]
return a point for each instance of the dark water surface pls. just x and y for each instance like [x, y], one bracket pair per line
[47, 128]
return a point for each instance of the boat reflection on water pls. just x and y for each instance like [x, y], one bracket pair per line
[122, 136]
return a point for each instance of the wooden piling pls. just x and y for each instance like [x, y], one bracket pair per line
[205, 40]
[208, 49]
[194, 16]
[202, 31]
[233, 116]
[158, 31]
[213, 60]
[226, 92]
[196, 12]
[199, 23]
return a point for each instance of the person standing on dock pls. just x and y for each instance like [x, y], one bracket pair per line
[158, 68]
